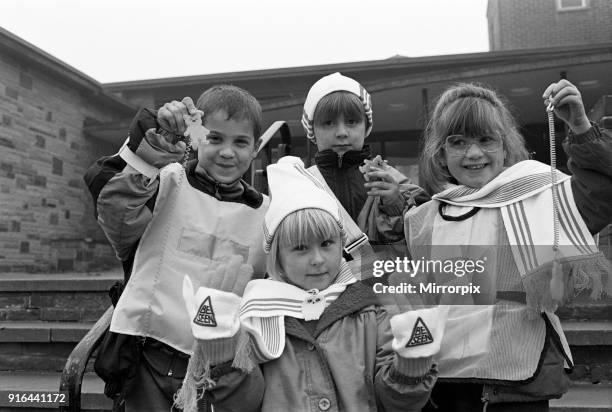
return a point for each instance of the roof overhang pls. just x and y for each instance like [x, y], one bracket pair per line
[34, 57]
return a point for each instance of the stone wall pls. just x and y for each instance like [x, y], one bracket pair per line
[525, 24]
[46, 213]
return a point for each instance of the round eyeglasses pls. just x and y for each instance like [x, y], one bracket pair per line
[458, 145]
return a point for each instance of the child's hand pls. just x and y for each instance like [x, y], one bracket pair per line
[568, 104]
[171, 115]
[213, 313]
[379, 181]
[382, 183]
[160, 151]
[230, 275]
[419, 333]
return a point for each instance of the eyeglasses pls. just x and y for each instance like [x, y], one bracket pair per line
[458, 145]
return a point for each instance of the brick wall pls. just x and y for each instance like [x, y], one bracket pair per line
[46, 216]
[520, 24]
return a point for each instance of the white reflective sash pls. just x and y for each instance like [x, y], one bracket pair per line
[188, 231]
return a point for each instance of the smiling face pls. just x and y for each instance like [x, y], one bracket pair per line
[477, 162]
[230, 147]
[471, 134]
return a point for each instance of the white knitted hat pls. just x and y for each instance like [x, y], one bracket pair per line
[333, 83]
[293, 188]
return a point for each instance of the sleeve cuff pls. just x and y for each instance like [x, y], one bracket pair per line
[412, 367]
[593, 134]
[393, 208]
[219, 350]
[137, 163]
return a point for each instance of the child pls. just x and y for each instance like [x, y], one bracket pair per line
[164, 220]
[491, 196]
[337, 118]
[323, 341]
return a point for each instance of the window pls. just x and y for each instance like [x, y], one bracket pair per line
[58, 166]
[25, 81]
[563, 5]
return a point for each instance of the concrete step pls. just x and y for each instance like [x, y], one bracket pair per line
[580, 398]
[591, 345]
[584, 398]
[584, 308]
[72, 297]
[38, 346]
[45, 346]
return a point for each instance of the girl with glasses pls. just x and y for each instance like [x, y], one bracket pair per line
[504, 349]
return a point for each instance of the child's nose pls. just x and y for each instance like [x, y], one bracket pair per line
[341, 130]
[226, 152]
[474, 150]
[316, 258]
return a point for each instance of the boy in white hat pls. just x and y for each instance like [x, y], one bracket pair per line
[321, 339]
[337, 118]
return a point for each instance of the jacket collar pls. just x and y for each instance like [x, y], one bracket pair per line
[239, 191]
[356, 297]
[328, 158]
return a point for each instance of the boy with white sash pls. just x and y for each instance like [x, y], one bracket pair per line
[165, 220]
[320, 338]
[373, 196]
[508, 351]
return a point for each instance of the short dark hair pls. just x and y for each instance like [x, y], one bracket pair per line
[337, 103]
[469, 109]
[236, 102]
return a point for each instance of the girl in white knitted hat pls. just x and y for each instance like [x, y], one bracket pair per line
[338, 118]
[317, 338]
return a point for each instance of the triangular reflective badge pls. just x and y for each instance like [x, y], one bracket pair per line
[205, 315]
[420, 334]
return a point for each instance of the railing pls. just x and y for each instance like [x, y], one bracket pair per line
[72, 376]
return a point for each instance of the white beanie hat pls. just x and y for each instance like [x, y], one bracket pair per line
[334, 83]
[294, 188]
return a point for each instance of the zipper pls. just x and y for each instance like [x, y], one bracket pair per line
[485, 398]
[172, 362]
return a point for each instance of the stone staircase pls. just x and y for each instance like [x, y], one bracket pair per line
[42, 317]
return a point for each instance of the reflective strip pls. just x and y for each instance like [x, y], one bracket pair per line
[137, 163]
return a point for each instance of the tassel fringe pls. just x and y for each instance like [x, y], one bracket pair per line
[546, 292]
[197, 381]
[244, 352]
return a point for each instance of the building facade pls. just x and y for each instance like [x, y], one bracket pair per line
[55, 121]
[529, 24]
[46, 215]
